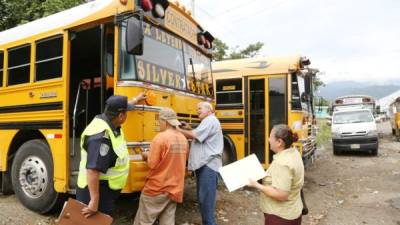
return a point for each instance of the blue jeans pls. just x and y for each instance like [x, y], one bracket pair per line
[207, 180]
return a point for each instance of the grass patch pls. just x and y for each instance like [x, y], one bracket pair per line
[324, 132]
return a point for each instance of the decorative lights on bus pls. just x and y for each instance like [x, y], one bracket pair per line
[339, 101]
[206, 39]
[201, 39]
[147, 5]
[366, 100]
[157, 7]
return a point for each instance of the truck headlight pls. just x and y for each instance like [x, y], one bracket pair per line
[335, 135]
[372, 133]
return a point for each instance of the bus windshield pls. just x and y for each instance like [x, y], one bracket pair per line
[167, 60]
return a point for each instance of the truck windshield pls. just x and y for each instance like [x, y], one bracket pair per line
[353, 117]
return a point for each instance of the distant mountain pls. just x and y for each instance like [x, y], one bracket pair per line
[340, 88]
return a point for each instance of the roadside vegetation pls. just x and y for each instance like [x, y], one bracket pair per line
[324, 132]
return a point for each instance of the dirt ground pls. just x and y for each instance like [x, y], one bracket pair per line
[353, 188]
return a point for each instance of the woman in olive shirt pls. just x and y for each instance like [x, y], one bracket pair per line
[280, 198]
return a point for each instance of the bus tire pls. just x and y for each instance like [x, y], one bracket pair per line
[228, 154]
[32, 176]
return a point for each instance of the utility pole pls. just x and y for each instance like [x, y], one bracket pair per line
[193, 6]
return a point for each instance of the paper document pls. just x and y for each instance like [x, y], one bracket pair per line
[237, 174]
[71, 215]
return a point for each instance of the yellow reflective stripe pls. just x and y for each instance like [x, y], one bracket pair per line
[110, 172]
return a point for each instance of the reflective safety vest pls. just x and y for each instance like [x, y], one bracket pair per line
[117, 175]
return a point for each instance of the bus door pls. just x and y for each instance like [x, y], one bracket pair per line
[266, 106]
[91, 53]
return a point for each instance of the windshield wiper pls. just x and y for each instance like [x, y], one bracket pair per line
[194, 75]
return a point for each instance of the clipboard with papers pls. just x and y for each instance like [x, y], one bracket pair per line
[71, 215]
[237, 174]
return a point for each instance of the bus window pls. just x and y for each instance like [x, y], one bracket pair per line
[18, 65]
[229, 91]
[1, 68]
[296, 102]
[161, 64]
[277, 104]
[49, 55]
[198, 63]
[257, 118]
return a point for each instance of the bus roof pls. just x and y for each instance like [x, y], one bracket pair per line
[259, 65]
[59, 20]
[70, 18]
[395, 101]
[355, 96]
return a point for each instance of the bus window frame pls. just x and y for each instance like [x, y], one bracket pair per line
[19, 66]
[194, 75]
[234, 91]
[61, 36]
[2, 58]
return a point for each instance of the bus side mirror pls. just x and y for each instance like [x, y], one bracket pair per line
[134, 37]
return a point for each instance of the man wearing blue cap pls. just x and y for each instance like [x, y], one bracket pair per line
[104, 165]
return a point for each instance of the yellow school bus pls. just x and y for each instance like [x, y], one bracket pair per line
[253, 95]
[57, 72]
[394, 115]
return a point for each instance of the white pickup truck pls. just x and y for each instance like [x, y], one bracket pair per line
[354, 130]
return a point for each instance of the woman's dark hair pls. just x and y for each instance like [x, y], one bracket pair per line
[283, 131]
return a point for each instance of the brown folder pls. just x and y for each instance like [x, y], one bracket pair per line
[72, 215]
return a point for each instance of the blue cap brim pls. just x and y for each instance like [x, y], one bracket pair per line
[130, 107]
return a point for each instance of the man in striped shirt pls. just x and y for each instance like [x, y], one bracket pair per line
[205, 159]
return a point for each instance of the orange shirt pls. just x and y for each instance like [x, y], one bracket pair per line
[167, 161]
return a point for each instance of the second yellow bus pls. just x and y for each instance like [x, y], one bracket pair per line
[253, 95]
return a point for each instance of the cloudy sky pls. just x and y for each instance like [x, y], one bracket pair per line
[346, 39]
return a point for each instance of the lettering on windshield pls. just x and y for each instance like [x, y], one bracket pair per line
[153, 73]
[162, 37]
[198, 87]
[166, 61]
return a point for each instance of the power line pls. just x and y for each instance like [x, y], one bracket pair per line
[263, 10]
[236, 7]
[223, 27]
[246, 17]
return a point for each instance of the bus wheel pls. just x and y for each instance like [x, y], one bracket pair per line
[226, 156]
[32, 176]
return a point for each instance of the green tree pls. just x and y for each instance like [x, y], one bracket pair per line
[17, 12]
[54, 6]
[248, 52]
[317, 83]
[220, 51]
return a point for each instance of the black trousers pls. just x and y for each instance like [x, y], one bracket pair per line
[106, 200]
